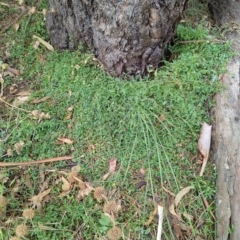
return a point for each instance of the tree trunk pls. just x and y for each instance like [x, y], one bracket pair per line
[227, 128]
[127, 36]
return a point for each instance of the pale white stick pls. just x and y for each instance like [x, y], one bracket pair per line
[160, 222]
[204, 143]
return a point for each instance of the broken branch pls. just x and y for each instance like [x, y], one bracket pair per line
[8, 164]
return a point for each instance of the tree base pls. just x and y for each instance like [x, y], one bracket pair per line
[126, 36]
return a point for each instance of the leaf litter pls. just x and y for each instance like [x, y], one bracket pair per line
[72, 183]
[76, 179]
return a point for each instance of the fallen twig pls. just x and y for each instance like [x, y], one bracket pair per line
[8, 164]
[14, 106]
[207, 206]
[15, 20]
[5, 4]
[13, 71]
[1, 82]
[160, 222]
[168, 191]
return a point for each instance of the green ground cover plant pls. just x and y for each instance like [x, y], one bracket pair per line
[150, 126]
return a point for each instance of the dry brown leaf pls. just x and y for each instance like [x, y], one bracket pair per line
[74, 173]
[68, 116]
[112, 165]
[63, 194]
[82, 185]
[71, 176]
[89, 186]
[18, 146]
[44, 193]
[66, 140]
[47, 116]
[76, 168]
[112, 192]
[112, 168]
[36, 45]
[83, 193]
[36, 101]
[42, 115]
[188, 216]
[23, 98]
[32, 10]
[161, 118]
[46, 44]
[142, 171]
[5, 4]
[181, 194]
[70, 109]
[17, 187]
[175, 222]
[172, 210]
[112, 207]
[20, 101]
[151, 217]
[204, 143]
[66, 185]
[183, 226]
[13, 71]
[44, 12]
[21, 2]
[177, 231]
[16, 26]
[90, 148]
[37, 199]
[12, 89]
[105, 176]
[23, 93]
[114, 233]
[35, 113]
[140, 184]
[168, 191]
[9, 152]
[100, 194]
[7, 73]
[28, 181]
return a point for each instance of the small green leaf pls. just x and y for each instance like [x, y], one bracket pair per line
[104, 220]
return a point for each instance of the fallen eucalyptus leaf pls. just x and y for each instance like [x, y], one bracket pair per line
[66, 140]
[204, 143]
[46, 44]
[181, 194]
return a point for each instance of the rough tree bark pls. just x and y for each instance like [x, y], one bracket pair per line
[126, 36]
[227, 128]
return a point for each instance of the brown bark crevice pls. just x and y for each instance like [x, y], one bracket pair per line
[126, 36]
[227, 153]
